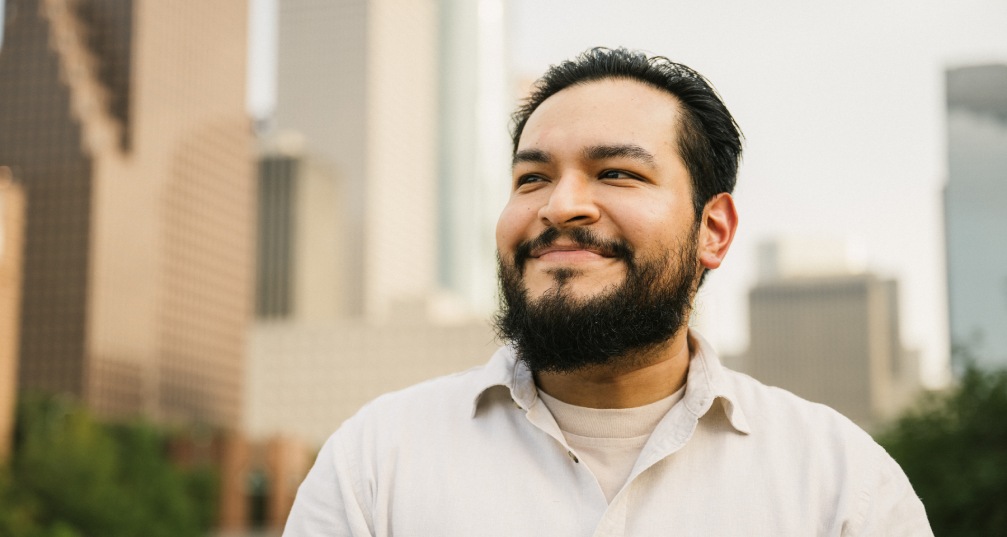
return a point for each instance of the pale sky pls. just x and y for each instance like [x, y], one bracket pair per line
[842, 105]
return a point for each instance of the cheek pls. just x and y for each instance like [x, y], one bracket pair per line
[641, 221]
[513, 226]
[653, 224]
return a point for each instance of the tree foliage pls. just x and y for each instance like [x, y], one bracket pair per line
[73, 477]
[953, 447]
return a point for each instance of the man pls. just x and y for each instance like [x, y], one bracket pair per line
[606, 415]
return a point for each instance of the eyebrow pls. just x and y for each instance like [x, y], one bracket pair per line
[630, 151]
[594, 152]
[531, 155]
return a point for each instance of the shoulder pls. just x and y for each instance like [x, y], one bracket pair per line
[805, 435]
[438, 405]
[439, 396]
[868, 489]
[778, 411]
[359, 462]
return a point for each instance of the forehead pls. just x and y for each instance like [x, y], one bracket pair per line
[610, 110]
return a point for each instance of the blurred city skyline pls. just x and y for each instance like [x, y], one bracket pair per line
[851, 98]
[843, 110]
[363, 212]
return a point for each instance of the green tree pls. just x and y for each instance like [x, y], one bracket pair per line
[953, 447]
[74, 477]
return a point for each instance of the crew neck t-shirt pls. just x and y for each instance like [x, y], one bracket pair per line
[609, 440]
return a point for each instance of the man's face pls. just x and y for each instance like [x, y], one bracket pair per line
[600, 208]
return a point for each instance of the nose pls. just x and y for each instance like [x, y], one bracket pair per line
[571, 203]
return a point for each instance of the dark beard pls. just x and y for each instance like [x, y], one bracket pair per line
[559, 333]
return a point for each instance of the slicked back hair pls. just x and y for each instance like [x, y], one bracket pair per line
[709, 139]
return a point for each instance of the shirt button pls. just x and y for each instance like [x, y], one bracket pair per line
[573, 457]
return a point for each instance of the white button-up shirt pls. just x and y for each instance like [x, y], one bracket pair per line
[479, 454]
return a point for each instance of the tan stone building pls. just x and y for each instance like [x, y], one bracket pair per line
[11, 243]
[305, 379]
[125, 122]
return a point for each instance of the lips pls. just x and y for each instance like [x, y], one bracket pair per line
[571, 244]
[568, 247]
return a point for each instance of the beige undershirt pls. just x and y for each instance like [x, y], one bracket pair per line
[609, 440]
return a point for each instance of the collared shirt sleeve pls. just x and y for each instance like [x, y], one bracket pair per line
[329, 502]
[888, 505]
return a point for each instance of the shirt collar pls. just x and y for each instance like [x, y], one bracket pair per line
[504, 370]
[707, 382]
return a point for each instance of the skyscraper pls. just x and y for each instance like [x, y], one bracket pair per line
[974, 215]
[473, 151]
[124, 121]
[832, 340]
[301, 257]
[349, 205]
[357, 80]
[830, 336]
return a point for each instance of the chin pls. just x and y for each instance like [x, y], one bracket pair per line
[576, 288]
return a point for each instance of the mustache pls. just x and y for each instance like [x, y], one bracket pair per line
[581, 237]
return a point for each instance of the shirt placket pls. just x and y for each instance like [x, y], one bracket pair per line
[675, 430]
[540, 417]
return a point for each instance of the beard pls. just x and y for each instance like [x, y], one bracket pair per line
[560, 333]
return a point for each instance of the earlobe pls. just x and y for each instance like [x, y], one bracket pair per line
[717, 228]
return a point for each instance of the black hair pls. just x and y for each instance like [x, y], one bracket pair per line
[709, 139]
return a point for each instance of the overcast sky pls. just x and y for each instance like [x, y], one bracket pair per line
[842, 105]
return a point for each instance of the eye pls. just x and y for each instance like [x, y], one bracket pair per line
[529, 178]
[618, 174]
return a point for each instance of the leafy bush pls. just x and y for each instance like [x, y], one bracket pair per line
[953, 447]
[71, 476]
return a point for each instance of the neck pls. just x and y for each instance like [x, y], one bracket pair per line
[651, 376]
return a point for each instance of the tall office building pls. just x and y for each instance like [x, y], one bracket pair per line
[124, 121]
[11, 240]
[402, 107]
[347, 299]
[302, 247]
[357, 79]
[473, 162]
[975, 219]
[832, 340]
[828, 335]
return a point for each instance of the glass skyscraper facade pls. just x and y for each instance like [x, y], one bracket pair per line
[975, 218]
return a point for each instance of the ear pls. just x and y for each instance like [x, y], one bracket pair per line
[716, 231]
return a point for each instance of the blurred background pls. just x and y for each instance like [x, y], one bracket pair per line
[225, 226]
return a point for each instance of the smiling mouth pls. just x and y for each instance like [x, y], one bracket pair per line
[571, 246]
[569, 251]
[570, 256]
